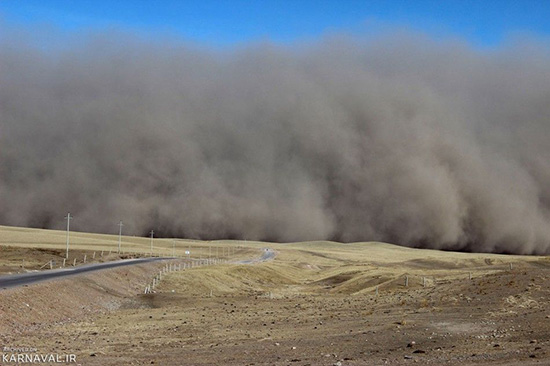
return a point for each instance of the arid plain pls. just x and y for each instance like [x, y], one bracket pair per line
[314, 303]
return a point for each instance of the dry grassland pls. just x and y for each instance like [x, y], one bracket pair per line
[316, 303]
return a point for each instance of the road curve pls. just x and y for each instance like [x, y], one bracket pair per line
[267, 254]
[33, 277]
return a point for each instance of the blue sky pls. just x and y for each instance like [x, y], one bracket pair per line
[482, 22]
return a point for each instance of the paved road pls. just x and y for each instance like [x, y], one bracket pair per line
[267, 254]
[33, 277]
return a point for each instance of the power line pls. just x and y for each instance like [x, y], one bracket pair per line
[68, 217]
[152, 233]
[120, 225]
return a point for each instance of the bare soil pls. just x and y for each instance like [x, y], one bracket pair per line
[307, 307]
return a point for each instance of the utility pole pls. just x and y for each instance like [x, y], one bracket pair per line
[68, 230]
[120, 225]
[152, 233]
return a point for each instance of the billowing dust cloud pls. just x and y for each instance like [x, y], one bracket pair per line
[399, 139]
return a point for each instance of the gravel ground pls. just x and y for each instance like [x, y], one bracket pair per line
[261, 315]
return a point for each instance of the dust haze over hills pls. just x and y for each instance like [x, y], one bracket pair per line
[396, 138]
